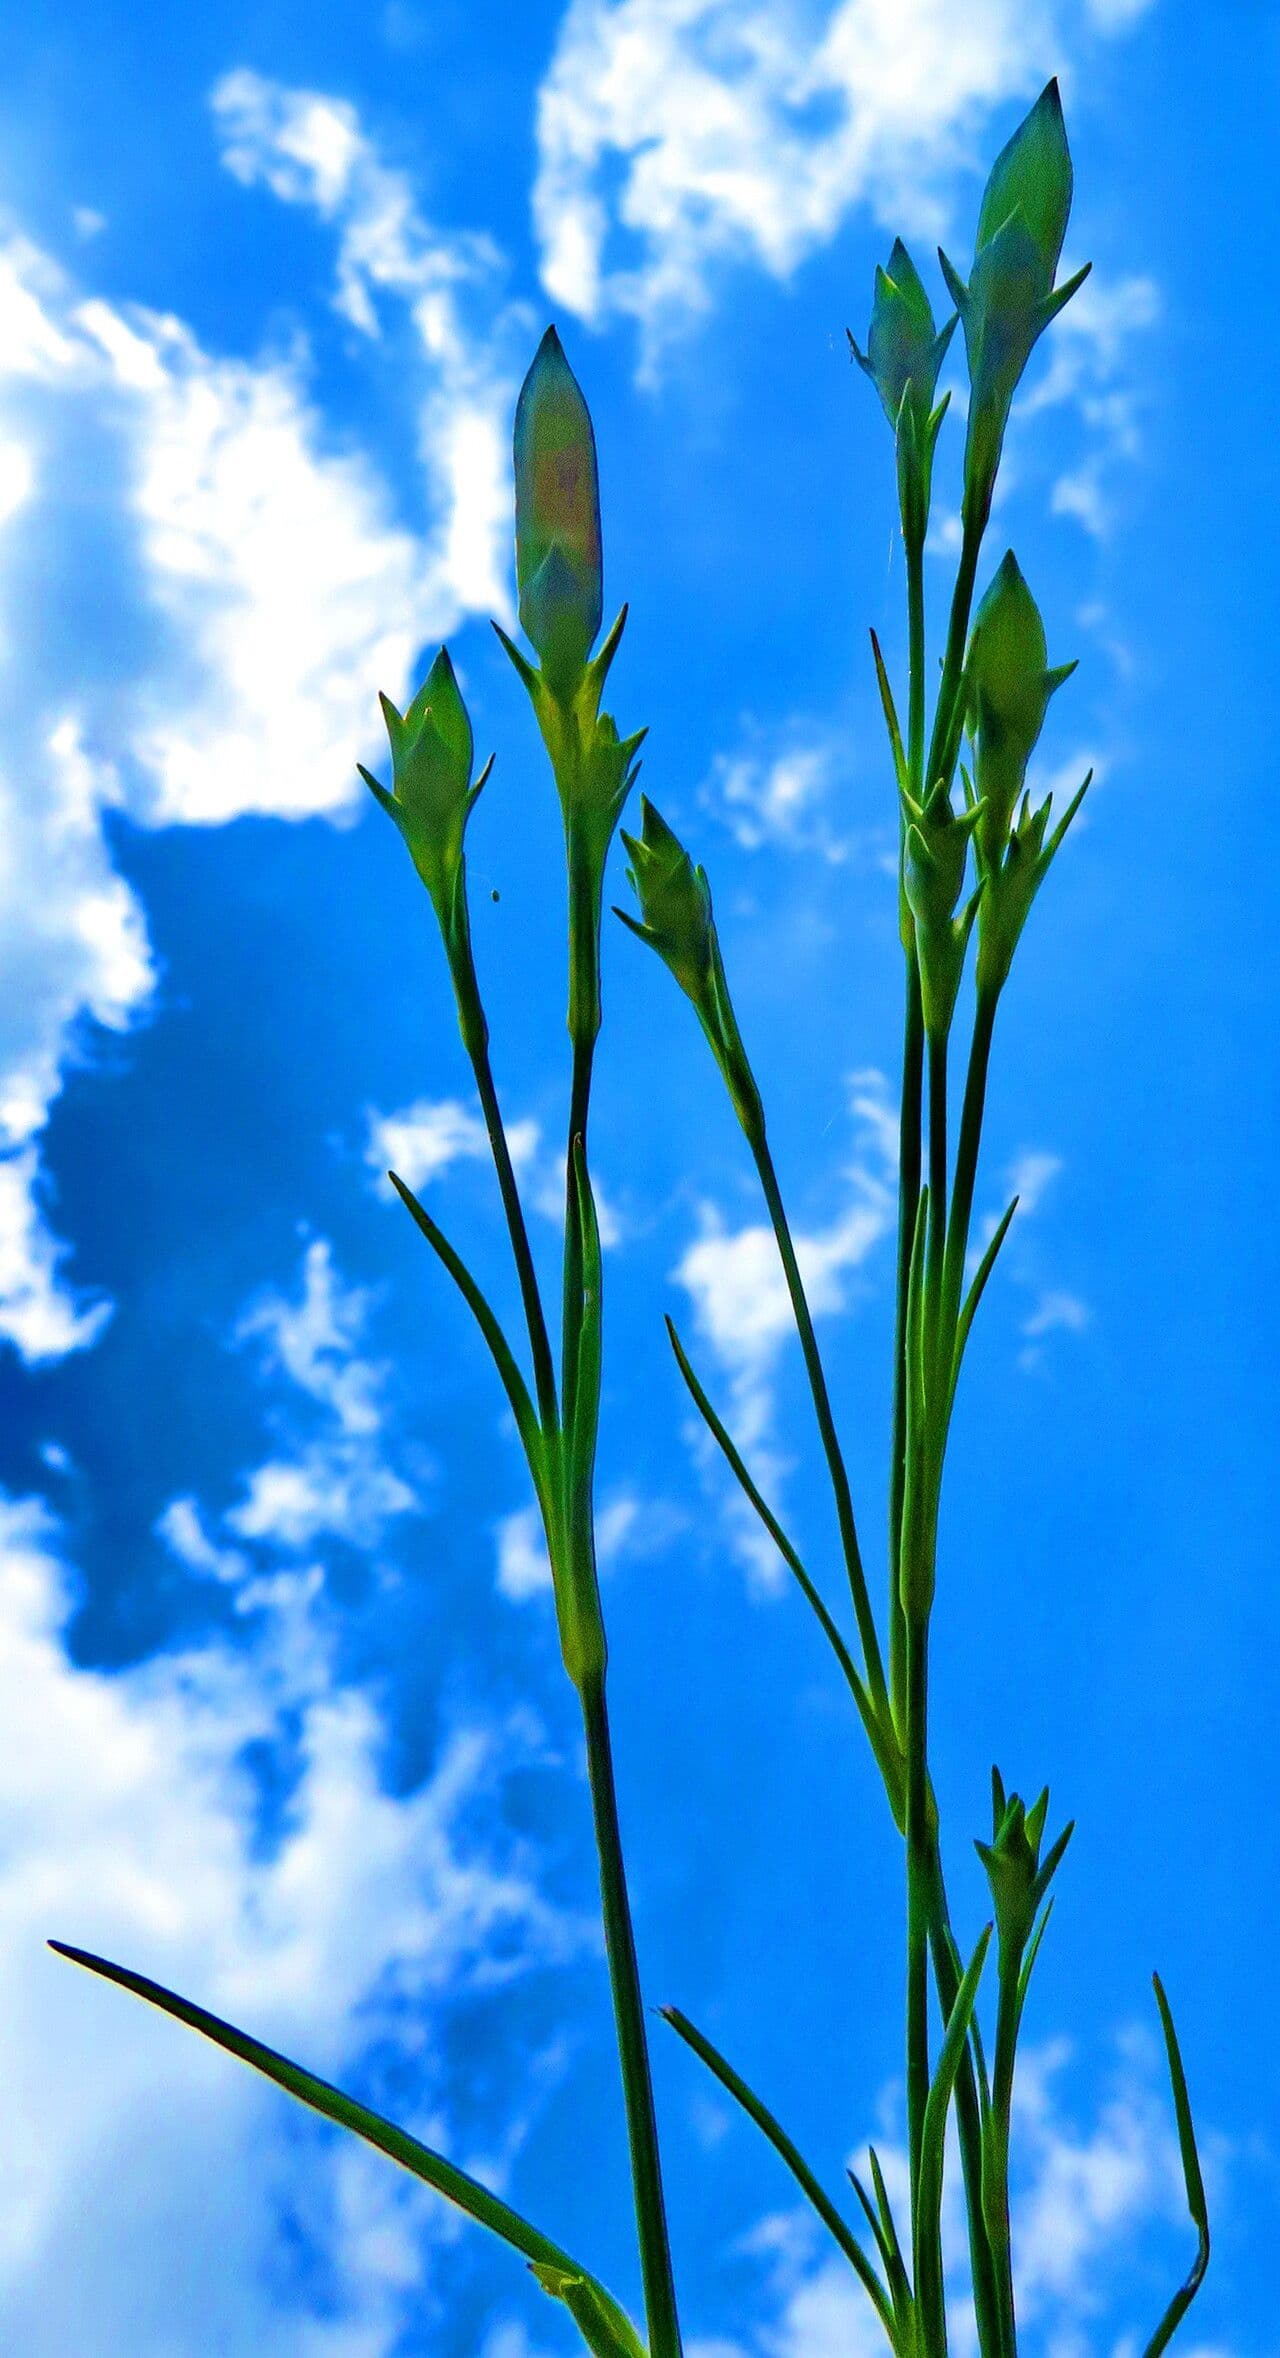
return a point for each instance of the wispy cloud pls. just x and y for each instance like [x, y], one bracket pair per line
[775, 788]
[346, 1930]
[264, 588]
[673, 142]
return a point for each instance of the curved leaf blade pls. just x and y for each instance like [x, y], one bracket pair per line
[1196, 2202]
[444, 2177]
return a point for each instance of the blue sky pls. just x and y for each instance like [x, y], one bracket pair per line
[284, 1719]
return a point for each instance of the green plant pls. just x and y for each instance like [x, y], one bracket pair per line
[968, 874]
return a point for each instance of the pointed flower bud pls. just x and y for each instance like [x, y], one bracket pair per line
[903, 346]
[675, 902]
[1011, 297]
[1015, 1872]
[1009, 688]
[431, 794]
[559, 572]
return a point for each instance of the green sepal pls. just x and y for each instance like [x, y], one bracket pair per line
[935, 854]
[676, 920]
[1192, 2179]
[1008, 688]
[1018, 1877]
[905, 350]
[1011, 889]
[457, 2187]
[432, 796]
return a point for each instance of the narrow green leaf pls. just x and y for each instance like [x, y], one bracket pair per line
[513, 1382]
[883, 1742]
[1196, 2202]
[799, 2168]
[928, 2203]
[886, 2234]
[890, 714]
[488, 2210]
[977, 1290]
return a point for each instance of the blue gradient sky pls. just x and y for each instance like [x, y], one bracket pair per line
[285, 1722]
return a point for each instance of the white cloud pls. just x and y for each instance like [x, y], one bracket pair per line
[39, 1312]
[741, 1305]
[524, 1567]
[774, 788]
[150, 2179]
[749, 132]
[1092, 367]
[309, 149]
[285, 587]
[423, 1140]
[674, 139]
[337, 1482]
[1055, 1309]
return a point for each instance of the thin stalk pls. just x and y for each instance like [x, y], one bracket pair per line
[909, 1158]
[975, 1097]
[969, 2120]
[918, 1859]
[543, 1368]
[473, 1025]
[579, 1102]
[633, 2048]
[934, 1314]
[826, 1422]
[1002, 2113]
[942, 749]
[913, 542]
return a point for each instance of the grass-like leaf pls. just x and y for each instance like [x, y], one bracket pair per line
[883, 1743]
[457, 2187]
[513, 1382]
[1196, 2202]
[814, 2193]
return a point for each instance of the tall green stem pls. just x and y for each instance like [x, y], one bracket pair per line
[826, 1422]
[947, 1977]
[633, 2047]
[944, 742]
[909, 1161]
[975, 1098]
[473, 1025]
[917, 1893]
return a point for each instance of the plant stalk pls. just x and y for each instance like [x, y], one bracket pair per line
[633, 2047]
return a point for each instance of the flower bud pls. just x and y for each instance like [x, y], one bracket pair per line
[559, 573]
[1015, 1873]
[903, 347]
[675, 902]
[1011, 297]
[431, 793]
[1008, 689]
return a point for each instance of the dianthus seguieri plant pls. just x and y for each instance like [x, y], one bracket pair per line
[974, 852]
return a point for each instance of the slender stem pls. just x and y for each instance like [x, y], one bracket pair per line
[944, 742]
[1002, 2111]
[826, 1422]
[975, 1097]
[913, 542]
[633, 2047]
[937, 1170]
[947, 1977]
[579, 1102]
[909, 1157]
[918, 1857]
[544, 1371]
